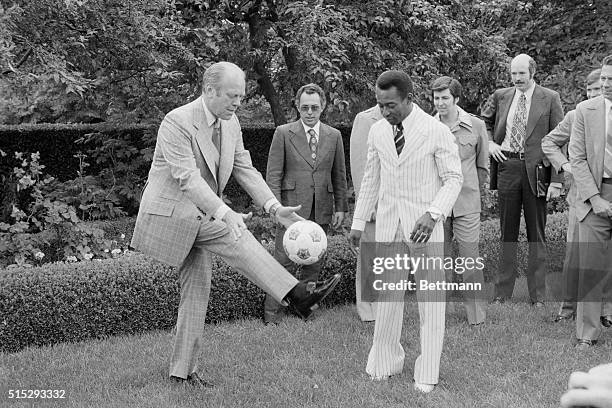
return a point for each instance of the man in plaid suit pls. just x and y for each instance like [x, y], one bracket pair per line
[182, 218]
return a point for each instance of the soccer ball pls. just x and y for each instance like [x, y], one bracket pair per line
[305, 242]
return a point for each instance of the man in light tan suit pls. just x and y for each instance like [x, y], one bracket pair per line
[590, 151]
[463, 223]
[366, 308]
[554, 146]
[413, 173]
[182, 219]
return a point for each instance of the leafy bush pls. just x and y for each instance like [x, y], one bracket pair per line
[131, 294]
[40, 219]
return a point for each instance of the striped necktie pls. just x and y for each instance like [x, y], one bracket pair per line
[399, 138]
[519, 125]
[608, 154]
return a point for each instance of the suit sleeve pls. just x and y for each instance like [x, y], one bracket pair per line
[556, 139]
[358, 151]
[583, 177]
[482, 150]
[488, 115]
[339, 177]
[175, 145]
[246, 175]
[449, 169]
[370, 185]
[276, 163]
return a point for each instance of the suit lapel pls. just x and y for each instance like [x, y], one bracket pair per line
[538, 104]
[297, 137]
[413, 137]
[596, 115]
[504, 109]
[204, 139]
[324, 145]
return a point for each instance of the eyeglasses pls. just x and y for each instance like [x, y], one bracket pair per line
[313, 108]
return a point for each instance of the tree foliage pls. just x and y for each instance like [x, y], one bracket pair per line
[134, 60]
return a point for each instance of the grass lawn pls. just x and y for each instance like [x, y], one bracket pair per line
[518, 359]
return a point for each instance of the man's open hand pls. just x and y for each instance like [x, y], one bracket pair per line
[235, 222]
[288, 215]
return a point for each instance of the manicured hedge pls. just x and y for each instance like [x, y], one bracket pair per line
[72, 302]
[55, 142]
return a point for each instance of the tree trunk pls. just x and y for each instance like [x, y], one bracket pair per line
[257, 31]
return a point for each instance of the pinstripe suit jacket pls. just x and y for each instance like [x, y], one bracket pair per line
[427, 174]
[183, 188]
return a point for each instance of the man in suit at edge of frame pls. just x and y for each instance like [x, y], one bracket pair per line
[554, 146]
[590, 151]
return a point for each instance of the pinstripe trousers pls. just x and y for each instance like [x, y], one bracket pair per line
[387, 355]
[247, 256]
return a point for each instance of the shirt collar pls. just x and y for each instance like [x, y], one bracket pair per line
[408, 120]
[210, 118]
[316, 128]
[528, 92]
[464, 119]
[607, 104]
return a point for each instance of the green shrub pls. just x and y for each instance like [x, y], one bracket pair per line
[131, 294]
[72, 302]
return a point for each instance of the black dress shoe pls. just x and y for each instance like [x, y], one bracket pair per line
[564, 315]
[193, 380]
[304, 296]
[606, 320]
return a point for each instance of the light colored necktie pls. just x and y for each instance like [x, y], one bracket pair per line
[519, 125]
[216, 135]
[608, 155]
[312, 143]
[398, 138]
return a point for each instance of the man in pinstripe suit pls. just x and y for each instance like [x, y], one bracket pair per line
[413, 171]
[182, 219]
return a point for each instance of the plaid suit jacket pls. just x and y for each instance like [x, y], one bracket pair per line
[183, 189]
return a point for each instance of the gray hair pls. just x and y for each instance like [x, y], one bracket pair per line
[215, 73]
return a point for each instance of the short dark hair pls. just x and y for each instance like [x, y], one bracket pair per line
[593, 77]
[398, 79]
[607, 60]
[310, 89]
[446, 82]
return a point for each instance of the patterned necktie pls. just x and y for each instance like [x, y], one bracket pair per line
[608, 155]
[519, 125]
[313, 144]
[399, 138]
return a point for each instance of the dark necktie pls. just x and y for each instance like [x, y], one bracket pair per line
[312, 143]
[399, 138]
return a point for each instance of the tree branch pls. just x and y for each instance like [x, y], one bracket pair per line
[19, 63]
